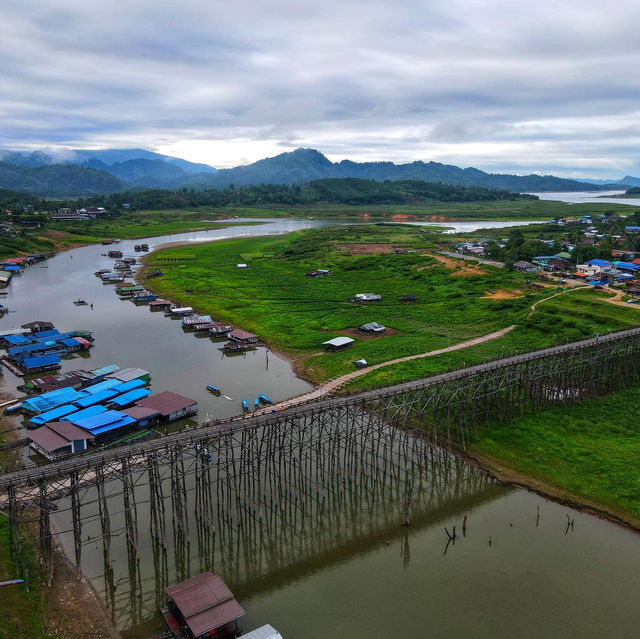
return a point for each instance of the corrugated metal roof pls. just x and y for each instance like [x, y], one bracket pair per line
[140, 412]
[53, 415]
[129, 374]
[167, 402]
[264, 632]
[131, 396]
[69, 431]
[124, 387]
[83, 414]
[106, 370]
[205, 602]
[96, 398]
[107, 384]
[338, 341]
[104, 422]
[48, 439]
[44, 360]
[17, 340]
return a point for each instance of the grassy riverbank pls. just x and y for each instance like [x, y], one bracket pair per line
[60, 236]
[295, 314]
[587, 453]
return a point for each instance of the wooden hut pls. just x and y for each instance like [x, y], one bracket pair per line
[201, 607]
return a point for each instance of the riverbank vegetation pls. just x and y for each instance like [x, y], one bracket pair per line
[588, 452]
[456, 300]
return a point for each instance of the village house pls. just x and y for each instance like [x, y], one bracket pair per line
[526, 267]
[372, 328]
[366, 297]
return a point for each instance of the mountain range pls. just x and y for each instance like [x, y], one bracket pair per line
[85, 172]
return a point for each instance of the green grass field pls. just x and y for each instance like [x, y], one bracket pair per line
[295, 313]
[589, 451]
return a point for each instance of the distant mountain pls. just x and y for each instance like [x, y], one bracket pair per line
[140, 172]
[303, 165]
[58, 180]
[629, 180]
[136, 167]
[622, 183]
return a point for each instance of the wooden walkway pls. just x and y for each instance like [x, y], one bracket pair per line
[332, 385]
[211, 431]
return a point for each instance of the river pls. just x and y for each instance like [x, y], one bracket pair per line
[355, 573]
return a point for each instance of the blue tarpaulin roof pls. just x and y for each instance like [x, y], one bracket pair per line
[44, 360]
[127, 386]
[108, 384]
[72, 342]
[50, 333]
[17, 340]
[50, 400]
[131, 396]
[597, 262]
[104, 422]
[628, 265]
[54, 414]
[83, 414]
[105, 370]
[12, 268]
[96, 398]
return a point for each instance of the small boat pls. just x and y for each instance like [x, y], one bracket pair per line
[10, 410]
[256, 403]
[213, 389]
[4, 292]
[245, 404]
[264, 399]
[80, 302]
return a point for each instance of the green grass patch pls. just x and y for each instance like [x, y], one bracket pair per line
[27, 608]
[274, 299]
[590, 450]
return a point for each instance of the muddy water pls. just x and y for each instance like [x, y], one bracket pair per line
[350, 572]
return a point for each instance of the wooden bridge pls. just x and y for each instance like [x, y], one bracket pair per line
[287, 464]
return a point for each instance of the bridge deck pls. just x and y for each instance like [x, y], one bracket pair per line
[212, 431]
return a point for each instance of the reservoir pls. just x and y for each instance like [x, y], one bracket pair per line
[350, 570]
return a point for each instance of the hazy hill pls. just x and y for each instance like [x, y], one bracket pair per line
[303, 165]
[136, 167]
[58, 180]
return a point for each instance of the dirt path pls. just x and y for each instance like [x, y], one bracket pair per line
[569, 290]
[334, 384]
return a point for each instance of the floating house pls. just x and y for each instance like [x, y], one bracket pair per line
[264, 632]
[129, 374]
[39, 325]
[170, 406]
[116, 254]
[337, 343]
[193, 320]
[157, 305]
[59, 439]
[242, 337]
[180, 311]
[39, 364]
[202, 607]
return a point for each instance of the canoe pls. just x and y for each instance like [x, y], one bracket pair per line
[264, 399]
[245, 404]
[213, 389]
[256, 402]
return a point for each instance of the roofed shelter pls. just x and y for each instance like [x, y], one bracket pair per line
[170, 406]
[203, 606]
[337, 343]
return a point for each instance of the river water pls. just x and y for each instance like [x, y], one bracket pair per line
[355, 573]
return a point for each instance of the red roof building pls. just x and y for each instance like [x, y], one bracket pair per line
[204, 606]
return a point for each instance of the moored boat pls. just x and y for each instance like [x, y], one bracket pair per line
[245, 404]
[264, 399]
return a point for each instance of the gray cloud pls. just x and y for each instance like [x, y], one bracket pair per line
[492, 83]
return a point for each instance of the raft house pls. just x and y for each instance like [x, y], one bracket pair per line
[111, 414]
[202, 606]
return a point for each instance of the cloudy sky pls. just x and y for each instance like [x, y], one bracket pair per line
[503, 85]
